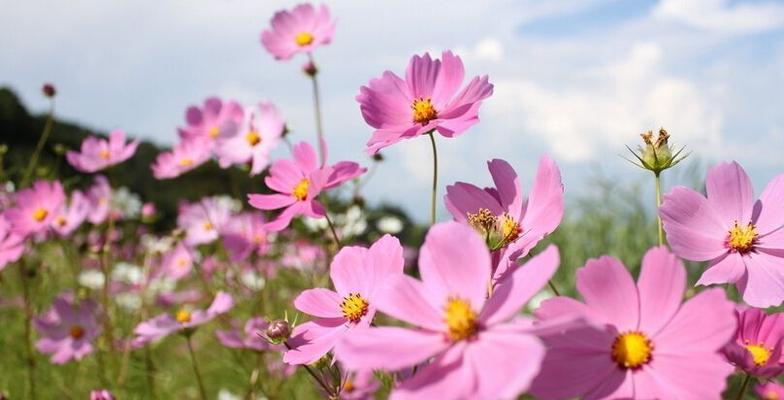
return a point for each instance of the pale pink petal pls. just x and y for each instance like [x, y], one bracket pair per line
[311, 340]
[661, 285]
[765, 284]
[608, 288]
[305, 157]
[389, 348]
[319, 302]
[771, 206]
[564, 306]
[348, 271]
[687, 377]
[421, 75]
[705, 323]
[730, 192]
[507, 185]
[728, 269]
[464, 198]
[505, 363]
[270, 201]
[545, 207]
[695, 230]
[449, 376]
[386, 254]
[449, 79]
[406, 299]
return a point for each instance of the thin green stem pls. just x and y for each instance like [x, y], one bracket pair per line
[310, 371]
[332, 229]
[434, 192]
[553, 288]
[196, 372]
[27, 331]
[317, 111]
[28, 174]
[743, 387]
[660, 229]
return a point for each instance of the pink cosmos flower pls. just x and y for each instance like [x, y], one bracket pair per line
[510, 223]
[99, 196]
[742, 238]
[427, 100]
[476, 351]
[361, 385]
[244, 234]
[300, 30]
[11, 245]
[185, 156]
[69, 218]
[757, 348]
[184, 319]
[358, 275]
[203, 220]
[67, 329]
[248, 338]
[97, 154]
[650, 347]
[253, 145]
[303, 255]
[177, 262]
[298, 183]
[216, 119]
[770, 391]
[36, 208]
[101, 394]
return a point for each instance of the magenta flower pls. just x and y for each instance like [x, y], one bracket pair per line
[185, 156]
[215, 120]
[36, 208]
[650, 346]
[757, 348]
[183, 320]
[97, 154]
[509, 222]
[177, 262]
[67, 329]
[360, 385]
[742, 238]
[248, 338]
[203, 220]
[300, 30]
[69, 218]
[427, 100]
[12, 246]
[101, 394]
[263, 133]
[99, 196]
[476, 351]
[770, 391]
[298, 183]
[358, 275]
[244, 234]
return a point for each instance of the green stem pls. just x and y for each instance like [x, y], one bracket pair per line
[743, 387]
[660, 228]
[332, 228]
[435, 179]
[28, 333]
[28, 174]
[317, 111]
[310, 371]
[196, 372]
[552, 287]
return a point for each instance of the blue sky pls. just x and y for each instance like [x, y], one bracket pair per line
[576, 79]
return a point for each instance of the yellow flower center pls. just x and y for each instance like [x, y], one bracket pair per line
[253, 138]
[182, 264]
[632, 350]
[424, 111]
[300, 191]
[742, 238]
[771, 395]
[759, 354]
[185, 162]
[213, 132]
[303, 39]
[104, 154]
[498, 231]
[76, 332]
[460, 319]
[207, 225]
[40, 213]
[61, 221]
[348, 386]
[183, 316]
[354, 307]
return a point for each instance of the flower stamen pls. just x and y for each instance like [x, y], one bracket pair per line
[40, 214]
[742, 238]
[303, 39]
[76, 332]
[759, 353]
[300, 191]
[424, 111]
[354, 307]
[460, 319]
[632, 350]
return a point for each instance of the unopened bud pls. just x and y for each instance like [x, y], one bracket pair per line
[49, 90]
[310, 69]
[657, 154]
[278, 331]
[378, 157]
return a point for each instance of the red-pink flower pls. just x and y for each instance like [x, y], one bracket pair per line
[11, 245]
[770, 391]
[510, 223]
[101, 394]
[742, 238]
[300, 30]
[649, 346]
[97, 154]
[298, 183]
[184, 319]
[185, 156]
[757, 348]
[253, 143]
[215, 120]
[471, 348]
[429, 99]
[36, 208]
[67, 329]
[359, 275]
[360, 385]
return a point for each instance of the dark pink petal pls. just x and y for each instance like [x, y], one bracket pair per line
[463, 198]
[454, 262]
[449, 79]
[284, 219]
[705, 323]
[661, 285]
[421, 76]
[389, 348]
[608, 288]
[771, 206]
[319, 302]
[507, 185]
[730, 192]
[386, 102]
[514, 292]
[270, 201]
[477, 90]
[695, 230]
[342, 172]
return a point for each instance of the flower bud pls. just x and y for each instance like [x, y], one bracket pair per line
[657, 154]
[49, 90]
[310, 69]
[278, 331]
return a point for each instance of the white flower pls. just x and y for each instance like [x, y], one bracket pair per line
[128, 273]
[252, 280]
[91, 279]
[390, 224]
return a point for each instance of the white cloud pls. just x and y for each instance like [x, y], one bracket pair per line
[721, 16]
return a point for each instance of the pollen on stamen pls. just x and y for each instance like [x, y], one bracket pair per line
[303, 39]
[354, 307]
[104, 154]
[632, 350]
[76, 332]
[461, 319]
[423, 111]
[742, 238]
[759, 353]
[40, 214]
[300, 191]
[185, 162]
[213, 132]
[183, 316]
[253, 138]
